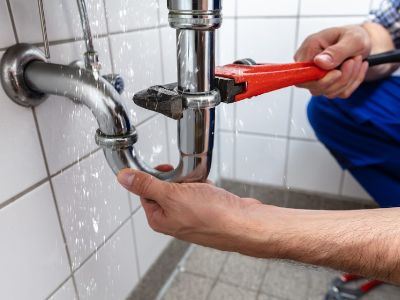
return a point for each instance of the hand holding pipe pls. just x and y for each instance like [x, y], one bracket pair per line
[244, 80]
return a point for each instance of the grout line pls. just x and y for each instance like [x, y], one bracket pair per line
[104, 242]
[135, 243]
[297, 15]
[10, 13]
[23, 193]
[268, 135]
[59, 287]
[235, 130]
[175, 273]
[80, 159]
[287, 150]
[108, 37]
[217, 278]
[54, 199]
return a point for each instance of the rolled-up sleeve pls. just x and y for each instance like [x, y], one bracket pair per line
[388, 15]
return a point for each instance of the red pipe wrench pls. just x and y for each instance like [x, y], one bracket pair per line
[245, 79]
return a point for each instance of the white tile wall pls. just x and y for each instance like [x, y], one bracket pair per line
[111, 272]
[32, 255]
[260, 159]
[126, 15]
[61, 17]
[265, 114]
[331, 8]
[266, 46]
[311, 167]
[90, 205]
[6, 33]
[260, 8]
[149, 243]
[22, 162]
[66, 292]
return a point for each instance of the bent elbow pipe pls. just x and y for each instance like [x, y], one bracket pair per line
[116, 134]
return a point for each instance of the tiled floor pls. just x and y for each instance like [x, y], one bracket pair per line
[208, 274]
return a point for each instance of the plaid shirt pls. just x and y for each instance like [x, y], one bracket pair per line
[388, 15]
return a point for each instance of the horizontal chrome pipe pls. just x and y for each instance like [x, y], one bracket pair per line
[194, 131]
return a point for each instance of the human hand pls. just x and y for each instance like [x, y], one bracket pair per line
[199, 212]
[330, 48]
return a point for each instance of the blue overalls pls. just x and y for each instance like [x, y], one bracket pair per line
[363, 134]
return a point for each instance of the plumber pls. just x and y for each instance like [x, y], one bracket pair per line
[355, 112]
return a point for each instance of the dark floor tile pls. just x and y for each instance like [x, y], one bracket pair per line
[205, 261]
[246, 272]
[188, 286]
[240, 189]
[269, 195]
[304, 200]
[335, 204]
[223, 291]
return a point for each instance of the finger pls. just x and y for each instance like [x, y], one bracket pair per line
[346, 81]
[360, 78]
[347, 71]
[143, 184]
[335, 55]
[356, 71]
[317, 88]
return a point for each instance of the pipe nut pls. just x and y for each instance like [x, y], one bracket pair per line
[116, 142]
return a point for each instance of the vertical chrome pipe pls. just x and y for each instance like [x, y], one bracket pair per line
[196, 63]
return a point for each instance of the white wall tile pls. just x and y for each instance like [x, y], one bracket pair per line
[309, 26]
[260, 159]
[163, 12]
[111, 273]
[168, 46]
[375, 4]
[225, 115]
[226, 43]
[149, 244]
[62, 19]
[20, 149]
[267, 8]
[299, 125]
[352, 188]
[265, 114]
[311, 167]
[126, 15]
[6, 32]
[332, 8]
[32, 255]
[258, 40]
[226, 155]
[229, 8]
[66, 292]
[92, 204]
[152, 143]
[137, 58]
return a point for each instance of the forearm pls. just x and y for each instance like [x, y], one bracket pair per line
[364, 242]
[381, 41]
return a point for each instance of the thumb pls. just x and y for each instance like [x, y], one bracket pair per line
[335, 55]
[143, 184]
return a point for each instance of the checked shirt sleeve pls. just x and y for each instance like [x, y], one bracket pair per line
[388, 15]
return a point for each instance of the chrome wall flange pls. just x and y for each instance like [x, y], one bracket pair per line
[12, 67]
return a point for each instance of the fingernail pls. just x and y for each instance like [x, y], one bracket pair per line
[325, 58]
[125, 178]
